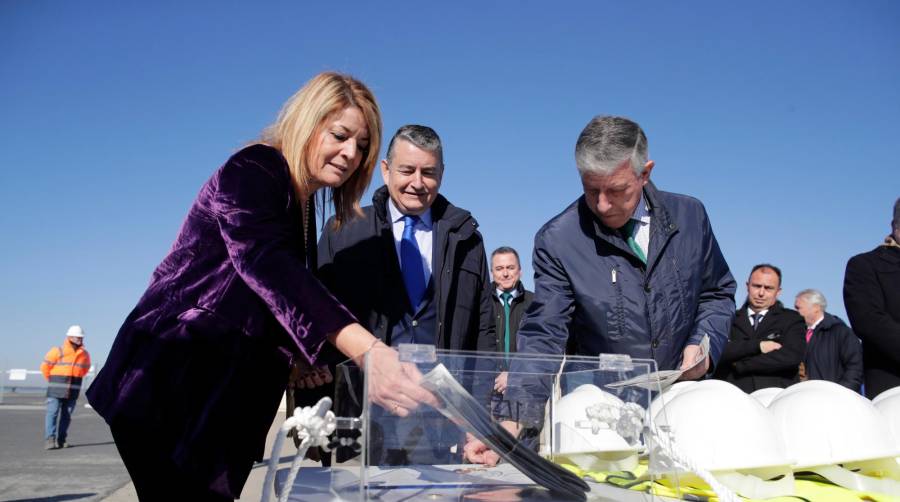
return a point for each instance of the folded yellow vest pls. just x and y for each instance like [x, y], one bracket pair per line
[807, 487]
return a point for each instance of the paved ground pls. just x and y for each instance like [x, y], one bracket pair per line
[89, 470]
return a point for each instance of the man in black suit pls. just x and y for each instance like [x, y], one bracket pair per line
[833, 352]
[510, 300]
[872, 299]
[413, 269]
[767, 341]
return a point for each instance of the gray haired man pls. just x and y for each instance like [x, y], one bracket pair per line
[625, 269]
[832, 350]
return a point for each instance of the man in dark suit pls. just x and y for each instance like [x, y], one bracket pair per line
[766, 343]
[625, 269]
[872, 299]
[510, 300]
[413, 269]
[832, 350]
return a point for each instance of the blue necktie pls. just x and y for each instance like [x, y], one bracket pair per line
[411, 263]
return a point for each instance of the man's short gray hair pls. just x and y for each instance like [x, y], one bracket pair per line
[608, 141]
[420, 136]
[815, 297]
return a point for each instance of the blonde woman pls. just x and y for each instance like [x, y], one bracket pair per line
[194, 377]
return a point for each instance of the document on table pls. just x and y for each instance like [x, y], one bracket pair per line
[664, 377]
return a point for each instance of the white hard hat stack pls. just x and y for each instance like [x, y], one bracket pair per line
[766, 395]
[716, 429]
[590, 430]
[888, 403]
[840, 435]
[76, 331]
[665, 396]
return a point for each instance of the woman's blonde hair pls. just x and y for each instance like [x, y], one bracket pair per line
[301, 120]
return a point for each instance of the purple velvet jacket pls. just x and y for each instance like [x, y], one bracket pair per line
[204, 357]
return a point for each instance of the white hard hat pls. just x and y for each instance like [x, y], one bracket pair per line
[891, 393]
[888, 403]
[822, 385]
[766, 395]
[703, 419]
[824, 423]
[75, 330]
[695, 431]
[588, 426]
[665, 396]
[838, 434]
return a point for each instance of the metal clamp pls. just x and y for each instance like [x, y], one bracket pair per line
[615, 362]
[417, 353]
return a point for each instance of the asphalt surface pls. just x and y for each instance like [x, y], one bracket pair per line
[89, 470]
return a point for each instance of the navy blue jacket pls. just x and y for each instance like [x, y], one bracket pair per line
[593, 293]
[834, 353]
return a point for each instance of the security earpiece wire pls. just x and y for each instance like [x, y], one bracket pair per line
[459, 406]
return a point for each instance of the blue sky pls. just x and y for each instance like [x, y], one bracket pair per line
[782, 117]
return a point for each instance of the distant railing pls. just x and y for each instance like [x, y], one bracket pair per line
[25, 381]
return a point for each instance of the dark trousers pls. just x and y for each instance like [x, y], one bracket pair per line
[154, 474]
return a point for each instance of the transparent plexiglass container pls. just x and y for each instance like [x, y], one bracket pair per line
[566, 411]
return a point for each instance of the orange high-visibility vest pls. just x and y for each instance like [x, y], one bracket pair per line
[64, 367]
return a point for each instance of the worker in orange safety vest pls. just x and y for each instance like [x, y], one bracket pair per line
[64, 367]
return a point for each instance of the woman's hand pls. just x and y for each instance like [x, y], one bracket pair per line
[392, 384]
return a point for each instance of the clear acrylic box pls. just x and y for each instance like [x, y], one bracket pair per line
[420, 456]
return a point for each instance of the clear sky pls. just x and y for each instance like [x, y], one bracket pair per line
[782, 117]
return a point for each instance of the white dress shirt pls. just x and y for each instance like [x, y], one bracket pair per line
[816, 324]
[513, 293]
[762, 315]
[641, 230]
[422, 232]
